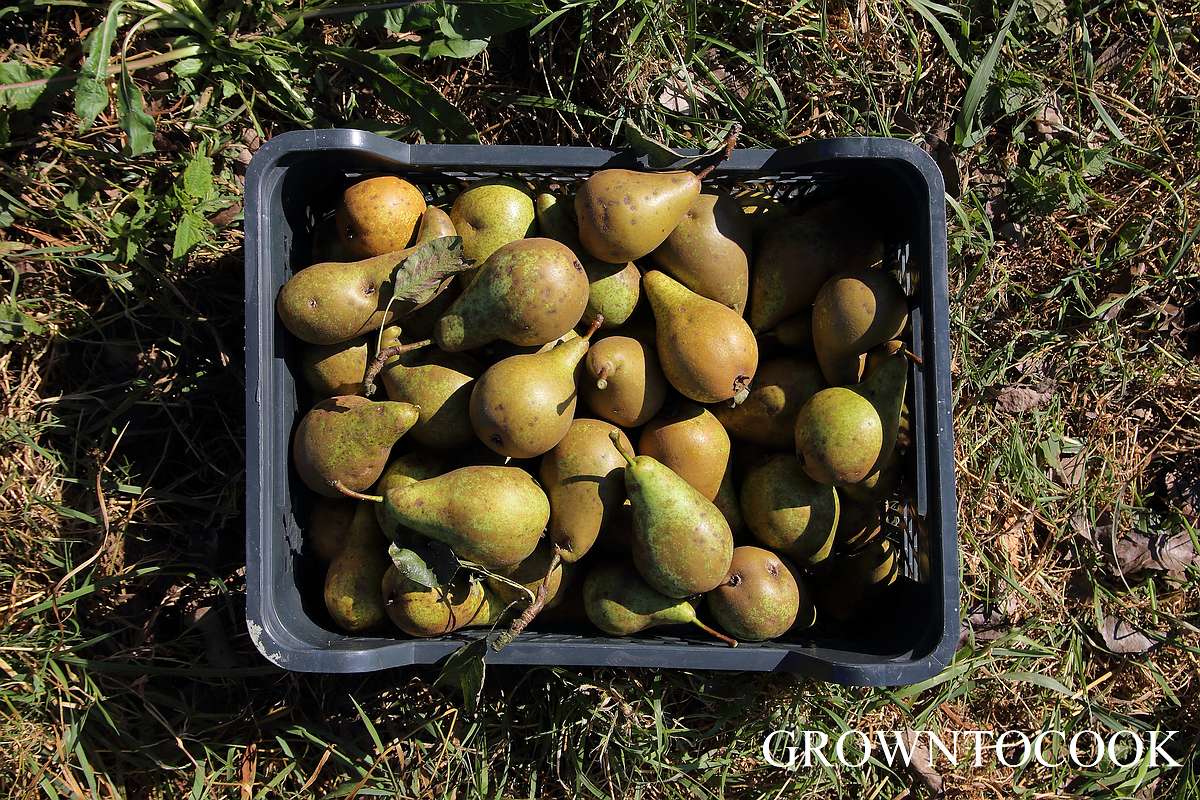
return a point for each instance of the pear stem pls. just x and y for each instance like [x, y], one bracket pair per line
[616, 440]
[730, 143]
[527, 616]
[911, 356]
[382, 358]
[602, 377]
[729, 640]
[341, 487]
[594, 326]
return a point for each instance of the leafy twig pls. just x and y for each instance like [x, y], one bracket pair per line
[382, 358]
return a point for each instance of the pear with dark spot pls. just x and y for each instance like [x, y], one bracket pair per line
[528, 292]
[768, 417]
[688, 440]
[709, 250]
[437, 383]
[623, 383]
[624, 215]
[523, 405]
[788, 511]
[378, 215]
[682, 544]
[346, 441]
[760, 597]
[425, 612]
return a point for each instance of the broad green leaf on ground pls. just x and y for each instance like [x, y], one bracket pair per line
[435, 116]
[657, 154]
[419, 277]
[484, 20]
[22, 99]
[197, 177]
[137, 124]
[188, 234]
[91, 88]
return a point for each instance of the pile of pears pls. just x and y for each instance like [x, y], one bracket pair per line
[642, 402]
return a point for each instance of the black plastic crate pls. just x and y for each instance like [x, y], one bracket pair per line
[294, 181]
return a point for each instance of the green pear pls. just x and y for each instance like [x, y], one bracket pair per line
[435, 224]
[425, 612]
[530, 573]
[329, 526]
[760, 597]
[709, 250]
[624, 383]
[620, 603]
[346, 441]
[584, 478]
[689, 441]
[878, 485]
[624, 215]
[854, 312]
[789, 512]
[437, 383]
[331, 302]
[417, 465]
[613, 289]
[728, 504]
[352, 583]
[884, 384]
[768, 417]
[706, 350]
[528, 292]
[798, 255]
[378, 215]
[682, 544]
[523, 405]
[334, 369]
[493, 516]
[838, 436]
[491, 213]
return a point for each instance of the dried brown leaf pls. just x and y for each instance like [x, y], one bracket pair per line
[1019, 399]
[921, 764]
[1121, 637]
[1162, 552]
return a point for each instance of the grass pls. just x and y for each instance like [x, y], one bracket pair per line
[1068, 136]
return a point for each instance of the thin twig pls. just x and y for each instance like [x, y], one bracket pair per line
[730, 143]
[539, 601]
[382, 359]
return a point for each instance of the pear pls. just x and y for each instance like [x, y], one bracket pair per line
[706, 350]
[799, 254]
[855, 311]
[425, 612]
[682, 544]
[858, 523]
[419, 323]
[530, 573]
[884, 384]
[331, 302]
[329, 526]
[378, 215]
[585, 480]
[352, 583]
[491, 213]
[493, 516]
[795, 332]
[435, 224]
[624, 383]
[768, 417]
[409, 468]
[709, 250]
[624, 215]
[527, 293]
[616, 537]
[523, 405]
[760, 597]
[789, 512]
[345, 441]
[613, 289]
[437, 383]
[857, 581]
[838, 436]
[691, 443]
[333, 369]
[728, 504]
[877, 486]
[620, 603]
